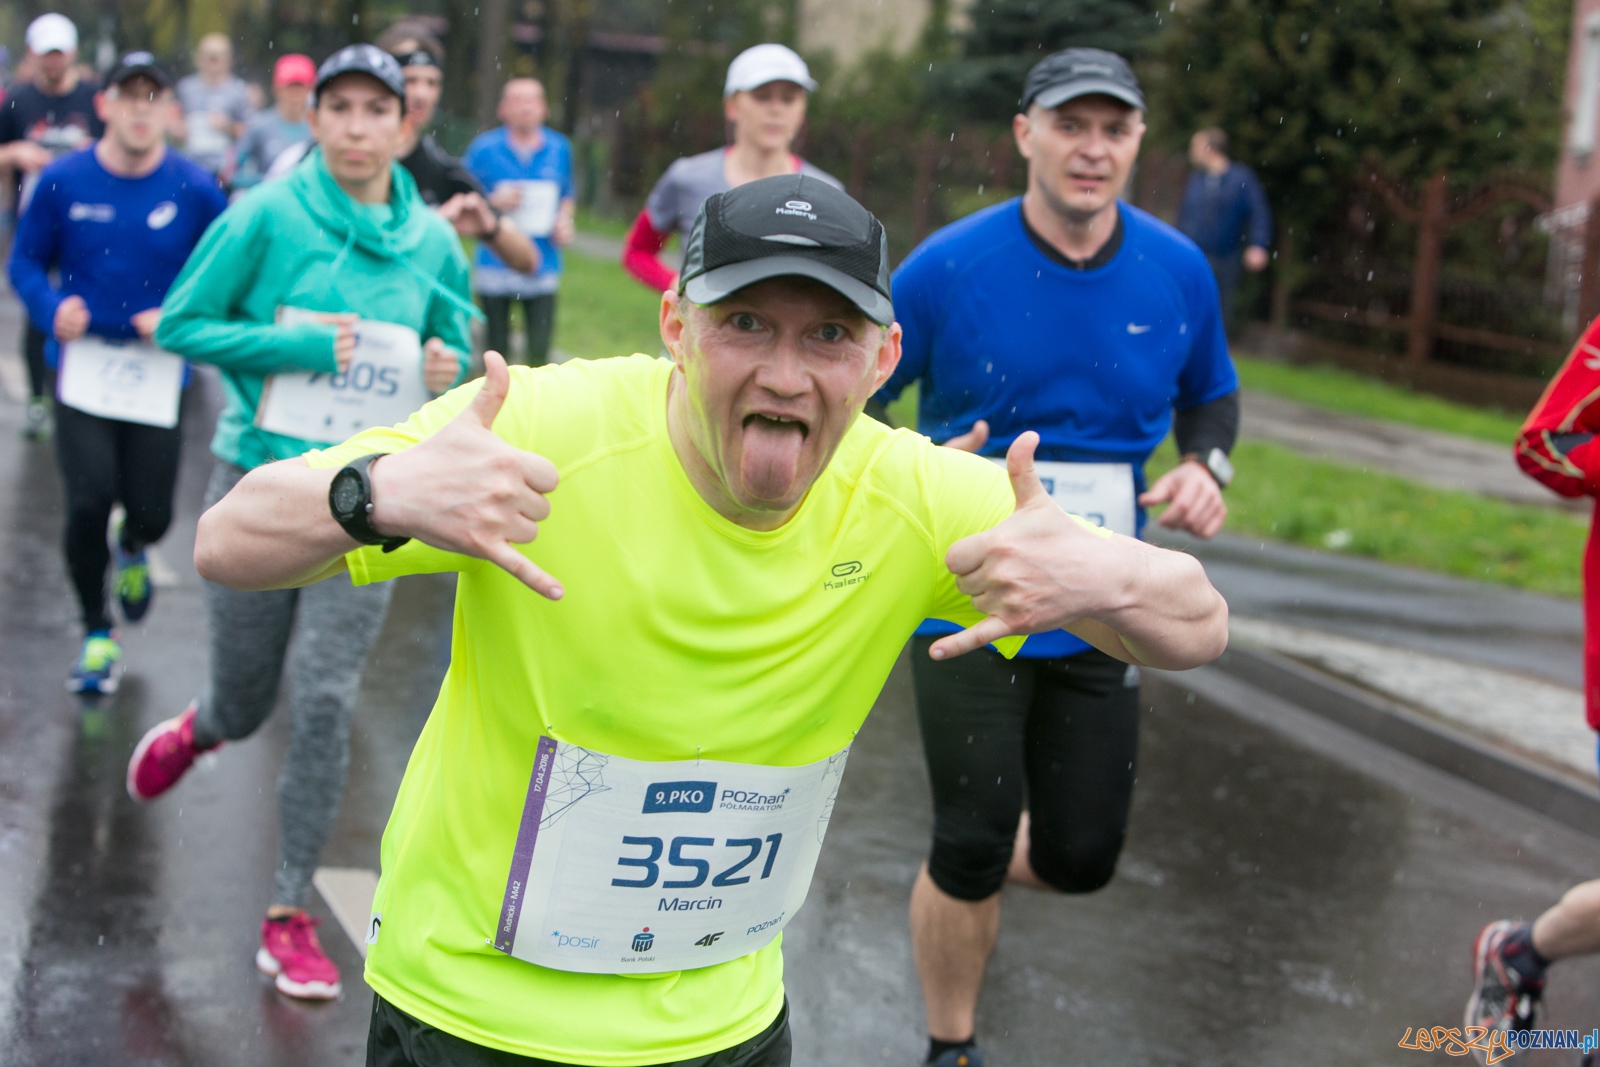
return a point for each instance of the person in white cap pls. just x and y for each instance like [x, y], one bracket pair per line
[764, 99]
[48, 117]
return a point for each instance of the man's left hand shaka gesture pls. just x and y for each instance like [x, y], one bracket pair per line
[1040, 569]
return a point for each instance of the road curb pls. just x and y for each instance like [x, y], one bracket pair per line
[1505, 773]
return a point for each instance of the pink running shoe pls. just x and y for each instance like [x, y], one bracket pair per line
[292, 955]
[162, 756]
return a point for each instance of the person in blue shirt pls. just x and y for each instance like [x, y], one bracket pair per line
[527, 168]
[1070, 313]
[117, 220]
[1224, 208]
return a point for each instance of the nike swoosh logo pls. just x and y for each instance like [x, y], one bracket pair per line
[1137, 329]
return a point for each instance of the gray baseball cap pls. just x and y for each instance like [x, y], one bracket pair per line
[1075, 72]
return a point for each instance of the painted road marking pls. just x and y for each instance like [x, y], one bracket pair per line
[349, 892]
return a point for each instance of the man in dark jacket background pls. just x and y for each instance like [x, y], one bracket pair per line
[1224, 208]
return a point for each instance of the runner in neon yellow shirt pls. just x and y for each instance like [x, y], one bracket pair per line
[618, 799]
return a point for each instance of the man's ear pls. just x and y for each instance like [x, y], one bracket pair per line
[673, 326]
[888, 356]
[1022, 130]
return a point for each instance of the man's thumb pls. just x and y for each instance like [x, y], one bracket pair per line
[1025, 481]
[496, 383]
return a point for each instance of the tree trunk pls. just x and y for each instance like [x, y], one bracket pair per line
[1589, 280]
[494, 42]
[1282, 279]
[861, 146]
[565, 48]
[1431, 226]
[922, 185]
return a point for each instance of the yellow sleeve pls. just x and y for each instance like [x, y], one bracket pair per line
[370, 563]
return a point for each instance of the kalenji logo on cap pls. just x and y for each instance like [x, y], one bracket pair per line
[796, 207]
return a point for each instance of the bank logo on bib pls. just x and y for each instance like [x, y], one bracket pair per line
[643, 940]
[679, 796]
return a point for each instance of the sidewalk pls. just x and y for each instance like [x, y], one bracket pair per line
[1427, 456]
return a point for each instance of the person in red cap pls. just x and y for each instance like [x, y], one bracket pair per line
[271, 130]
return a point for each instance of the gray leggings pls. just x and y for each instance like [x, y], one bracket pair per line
[338, 624]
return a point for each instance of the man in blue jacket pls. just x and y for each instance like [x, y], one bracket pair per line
[117, 220]
[1069, 313]
[1224, 208]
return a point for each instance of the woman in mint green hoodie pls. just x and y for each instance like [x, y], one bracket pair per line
[346, 234]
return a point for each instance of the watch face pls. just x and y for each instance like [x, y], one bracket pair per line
[346, 493]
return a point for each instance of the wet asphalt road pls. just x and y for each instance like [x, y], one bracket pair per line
[1291, 894]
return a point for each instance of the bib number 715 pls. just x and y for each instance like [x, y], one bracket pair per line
[651, 865]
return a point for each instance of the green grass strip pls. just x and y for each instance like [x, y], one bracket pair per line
[603, 311]
[1283, 496]
[1357, 394]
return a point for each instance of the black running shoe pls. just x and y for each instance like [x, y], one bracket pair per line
[967, 1056]
[1502, 999]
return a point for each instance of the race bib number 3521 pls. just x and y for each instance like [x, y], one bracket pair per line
[632, 867]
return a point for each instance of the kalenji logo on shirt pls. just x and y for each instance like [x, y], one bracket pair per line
[845, 574]
[162, 214]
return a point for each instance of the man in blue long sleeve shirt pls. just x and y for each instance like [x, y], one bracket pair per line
[1224, 208]
[117, 220]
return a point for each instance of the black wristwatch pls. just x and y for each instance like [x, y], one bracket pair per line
[350, 500]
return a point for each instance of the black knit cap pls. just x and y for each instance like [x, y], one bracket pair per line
[792, 224]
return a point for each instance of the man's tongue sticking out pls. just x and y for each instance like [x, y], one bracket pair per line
[771, 456]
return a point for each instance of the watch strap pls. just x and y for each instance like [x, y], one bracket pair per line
[358, 524]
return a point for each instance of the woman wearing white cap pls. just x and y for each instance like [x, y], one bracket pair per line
[764, 99]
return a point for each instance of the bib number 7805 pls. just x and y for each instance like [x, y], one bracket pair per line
[752, 847]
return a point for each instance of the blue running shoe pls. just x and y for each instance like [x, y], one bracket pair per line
[134, 591]
[966, 1056]
[99, 666]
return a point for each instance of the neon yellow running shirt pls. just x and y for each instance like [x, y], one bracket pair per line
[681, 635]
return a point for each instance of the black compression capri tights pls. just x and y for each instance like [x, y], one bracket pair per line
[1059, 735]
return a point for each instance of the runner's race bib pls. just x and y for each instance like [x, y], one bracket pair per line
[133, 381]
[381, 386]
[535, 214]
[1099, 492]
[631, 867]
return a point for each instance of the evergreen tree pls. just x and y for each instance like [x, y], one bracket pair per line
[1317, 97]
[1007, 37]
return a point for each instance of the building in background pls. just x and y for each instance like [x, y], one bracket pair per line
[1572, 277]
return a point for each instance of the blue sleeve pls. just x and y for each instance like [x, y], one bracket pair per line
[473, 161]
[33, 252]
[913, 303]
[568, 189]
[1208, 374]
[1260, 211]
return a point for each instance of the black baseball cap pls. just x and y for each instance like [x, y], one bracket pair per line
[792, 224]
[419, 57]
[1075, 72]
[139, 65]
[366, 59]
